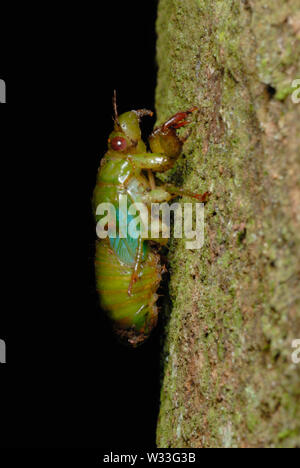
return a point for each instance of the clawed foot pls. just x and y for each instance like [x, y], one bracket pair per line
[179, 120]
[175, 191]
[133, 280]
[204, 197]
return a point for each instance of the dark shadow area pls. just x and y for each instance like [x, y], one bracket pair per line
[72, 384]
[129, 384]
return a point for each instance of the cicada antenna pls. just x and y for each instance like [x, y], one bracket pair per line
[115, 107]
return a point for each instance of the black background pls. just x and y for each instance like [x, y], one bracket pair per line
[67, 382]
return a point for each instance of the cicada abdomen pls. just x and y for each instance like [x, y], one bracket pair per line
[133, 316]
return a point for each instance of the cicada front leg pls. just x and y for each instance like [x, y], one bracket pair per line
[178, 120]
[164, 139]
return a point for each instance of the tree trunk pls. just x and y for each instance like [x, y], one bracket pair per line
[229, 378]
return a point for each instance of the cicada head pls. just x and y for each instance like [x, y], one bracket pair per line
[127, 136]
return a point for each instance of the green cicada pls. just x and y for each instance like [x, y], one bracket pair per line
[128, 269]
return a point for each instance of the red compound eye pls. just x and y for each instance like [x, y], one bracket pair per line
[118, 144]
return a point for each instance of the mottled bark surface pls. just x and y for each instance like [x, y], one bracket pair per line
[229, 380]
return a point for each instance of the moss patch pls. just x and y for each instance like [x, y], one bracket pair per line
[228, 376]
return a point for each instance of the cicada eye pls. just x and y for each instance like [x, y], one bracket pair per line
[118, 144]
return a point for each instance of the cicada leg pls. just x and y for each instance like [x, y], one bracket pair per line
[151, 178]
[176, 191]
[138, 262]
[178, 120]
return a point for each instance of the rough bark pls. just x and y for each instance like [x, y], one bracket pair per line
[229, 380]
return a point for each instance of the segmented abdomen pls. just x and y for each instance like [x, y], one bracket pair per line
[133, 316]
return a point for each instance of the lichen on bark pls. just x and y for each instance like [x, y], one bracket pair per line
[229, 380]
